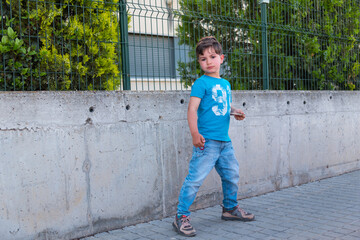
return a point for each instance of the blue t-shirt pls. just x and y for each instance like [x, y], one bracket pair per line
[214, 109]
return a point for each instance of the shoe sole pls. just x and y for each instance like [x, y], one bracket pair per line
[181, 233]
[237, 219]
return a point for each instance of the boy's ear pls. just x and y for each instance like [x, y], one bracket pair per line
[222, 58]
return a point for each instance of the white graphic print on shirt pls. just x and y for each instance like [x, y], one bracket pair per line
[219, 94]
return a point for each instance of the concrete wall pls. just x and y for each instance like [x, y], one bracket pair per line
[76, 163]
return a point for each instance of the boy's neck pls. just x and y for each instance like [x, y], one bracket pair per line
[213, 75]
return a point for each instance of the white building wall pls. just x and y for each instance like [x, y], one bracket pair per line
[155, 19]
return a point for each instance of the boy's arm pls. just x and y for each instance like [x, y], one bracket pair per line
[198, 139]
[238, 117]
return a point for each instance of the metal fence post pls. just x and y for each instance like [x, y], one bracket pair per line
[265, 43]
[125, 62]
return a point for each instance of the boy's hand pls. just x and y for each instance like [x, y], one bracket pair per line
[238, 114]
[198, 140]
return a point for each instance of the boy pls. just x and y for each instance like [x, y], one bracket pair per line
[209, 118]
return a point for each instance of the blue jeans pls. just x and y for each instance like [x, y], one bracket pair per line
[215, 153]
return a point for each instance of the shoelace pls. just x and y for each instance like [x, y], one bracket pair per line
[243, 212]
[185, 221]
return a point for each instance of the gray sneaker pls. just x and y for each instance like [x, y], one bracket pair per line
[183, 226]
[237, 214]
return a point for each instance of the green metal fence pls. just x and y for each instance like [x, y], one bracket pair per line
[149, 45]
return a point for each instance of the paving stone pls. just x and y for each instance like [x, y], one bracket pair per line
[298, 237]
[269, 231]
[293, 231]
[349, 237]
[311, 235]
[344, 231]
[333, 234]
[356, 234]
[122, 235]
[326, 238]
[243, 231]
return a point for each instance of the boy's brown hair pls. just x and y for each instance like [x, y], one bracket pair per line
[207, 42]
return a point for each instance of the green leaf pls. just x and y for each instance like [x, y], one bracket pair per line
[4, 49]
[24, 71]
[32, 53]
[5, 40]
[18, 65]
[11, 33]
[18, 44]
[9, 21]
[22, 50]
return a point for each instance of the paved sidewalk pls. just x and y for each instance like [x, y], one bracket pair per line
[326, 209]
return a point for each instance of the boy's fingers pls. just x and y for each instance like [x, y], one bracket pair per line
[199, 141]
[202, 141]
[240, 117]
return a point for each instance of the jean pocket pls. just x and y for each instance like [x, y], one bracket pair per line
[198, 152]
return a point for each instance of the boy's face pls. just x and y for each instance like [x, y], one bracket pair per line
[210, 62]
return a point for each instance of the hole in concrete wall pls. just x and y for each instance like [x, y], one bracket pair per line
[304, 102]
[244, 103]
[330, 97]
[88, 121]
[288, 102]
[127, 107]
[182, 101]
[91, 109]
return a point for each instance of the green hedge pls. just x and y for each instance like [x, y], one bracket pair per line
[312, 44]
[60, 45]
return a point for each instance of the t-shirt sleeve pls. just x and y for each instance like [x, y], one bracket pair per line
[197, 89]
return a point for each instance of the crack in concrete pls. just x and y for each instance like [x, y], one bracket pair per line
[86, 169]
